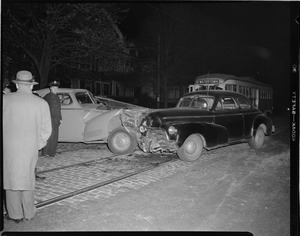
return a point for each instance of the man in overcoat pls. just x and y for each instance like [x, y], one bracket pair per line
[26, 129]
[55, 110]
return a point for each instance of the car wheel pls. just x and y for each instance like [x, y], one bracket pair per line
[258, 139]
[191, 149]
[121, 142]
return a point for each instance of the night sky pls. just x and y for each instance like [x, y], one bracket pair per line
[261, 28]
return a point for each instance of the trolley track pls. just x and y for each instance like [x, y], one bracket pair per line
[64, 147]
[75, 164]
[98, 185]
[78, 170]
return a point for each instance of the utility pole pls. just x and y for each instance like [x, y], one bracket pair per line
[158, 72]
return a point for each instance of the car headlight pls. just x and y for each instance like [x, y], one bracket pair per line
[142, 129]
[172, 130]
[143, 126]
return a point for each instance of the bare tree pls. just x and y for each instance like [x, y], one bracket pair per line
[67, 34]
[169, 37]
[192, 42]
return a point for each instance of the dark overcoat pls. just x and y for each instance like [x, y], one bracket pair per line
[55, 111]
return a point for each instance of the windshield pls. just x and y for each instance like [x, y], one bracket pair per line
[199, 102]
[85, 98]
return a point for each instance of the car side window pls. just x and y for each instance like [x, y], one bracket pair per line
[226, 103]
[83, 98]
[65, 99]
[229, 103]
[199, 103]
[219, 106]
[244, 104]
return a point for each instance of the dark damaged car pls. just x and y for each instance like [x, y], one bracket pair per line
[204, 120]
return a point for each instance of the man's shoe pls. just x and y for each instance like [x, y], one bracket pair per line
[15, 220]
[39, 177]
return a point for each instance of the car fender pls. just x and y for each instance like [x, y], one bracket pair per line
[114, 123]
[98, 127]
[265, 122]
[213, 134]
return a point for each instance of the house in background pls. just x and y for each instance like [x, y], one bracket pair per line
[109, 78]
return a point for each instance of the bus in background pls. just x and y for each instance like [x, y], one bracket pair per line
[259, 93]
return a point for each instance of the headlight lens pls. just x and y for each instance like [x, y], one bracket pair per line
[142, 129]
[143, 125]
[172, 130]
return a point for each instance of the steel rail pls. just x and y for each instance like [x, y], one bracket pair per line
[75, 164]
[74, 149]
[101, 184]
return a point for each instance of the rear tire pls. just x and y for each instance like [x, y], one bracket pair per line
[258, 139]
[121, 142]
[191, 149]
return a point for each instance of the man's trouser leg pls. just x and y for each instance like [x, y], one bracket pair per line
[28, 204]
[20, 201]
[14, 204]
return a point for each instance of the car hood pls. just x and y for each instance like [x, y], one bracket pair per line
[175, 115]
[95, 107]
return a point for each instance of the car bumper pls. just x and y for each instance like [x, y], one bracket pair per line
[273, 128]
[156, 141]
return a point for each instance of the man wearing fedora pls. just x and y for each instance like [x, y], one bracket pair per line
[55, 111]
[26, 129]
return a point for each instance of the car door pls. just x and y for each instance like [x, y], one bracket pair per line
[72, 126]
[249, 113]
[228, 115]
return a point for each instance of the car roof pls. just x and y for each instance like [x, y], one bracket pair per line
[214, 93]
[44, 91]
[69, 90]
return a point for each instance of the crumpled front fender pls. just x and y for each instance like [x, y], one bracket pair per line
[131, 119]
[155, 141]
[96, 128]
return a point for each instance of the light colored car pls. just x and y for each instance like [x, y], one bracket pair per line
[90, 119]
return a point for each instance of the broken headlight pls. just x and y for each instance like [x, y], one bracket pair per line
[172, 130]
[143, 126]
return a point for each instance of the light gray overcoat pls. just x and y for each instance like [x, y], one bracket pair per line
[26, 129]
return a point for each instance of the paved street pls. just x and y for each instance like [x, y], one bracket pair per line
[98, 165]
[230, 189]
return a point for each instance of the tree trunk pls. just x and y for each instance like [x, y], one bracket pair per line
[165, 88]
[44, 64]
[43, 72]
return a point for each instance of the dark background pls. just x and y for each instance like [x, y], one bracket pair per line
[261, 31]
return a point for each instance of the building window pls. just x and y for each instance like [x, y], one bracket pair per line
[228, 87]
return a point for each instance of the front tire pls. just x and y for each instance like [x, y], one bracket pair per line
[191, 149]
[121, 142]
[258, 139]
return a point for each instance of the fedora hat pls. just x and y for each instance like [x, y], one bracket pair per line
[24, 77]
[54, 83]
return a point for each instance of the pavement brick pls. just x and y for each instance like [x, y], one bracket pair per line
[101, 166]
